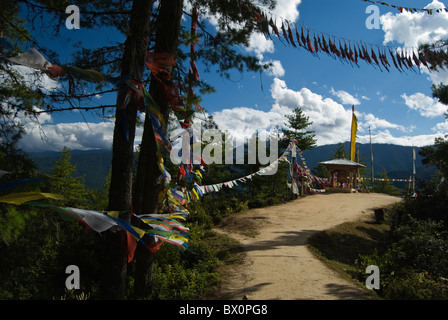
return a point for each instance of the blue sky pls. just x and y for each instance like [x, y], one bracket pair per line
[398, 107]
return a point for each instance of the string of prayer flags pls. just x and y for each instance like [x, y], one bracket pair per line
[34, 59]
[31, 58]
[174, 232]
[199, 191]
[2, 173]
[387, 179]
[83, 74]
[22, 197]
[173, 201]
[159, 63]
[95, 220]
[308, 171]
[349, 51]
[429, 11]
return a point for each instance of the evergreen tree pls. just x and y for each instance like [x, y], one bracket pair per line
[62, 181]
[296, 127]
[134, 21]
[320, 171]
[18, 99]
[339, 152]
[385, 186]
[218, 49]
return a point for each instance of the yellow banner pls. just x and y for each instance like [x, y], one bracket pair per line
[353, 135]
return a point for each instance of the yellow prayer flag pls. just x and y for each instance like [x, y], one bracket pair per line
[114, 214]
[195, 193]
[22, 197]
[353, 135]
[139, 231]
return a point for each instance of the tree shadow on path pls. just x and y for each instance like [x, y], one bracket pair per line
[285, 239]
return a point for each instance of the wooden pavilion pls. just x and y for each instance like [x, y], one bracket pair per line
[342, 174]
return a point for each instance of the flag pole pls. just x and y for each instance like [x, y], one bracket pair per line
[371, 157]
[353, 135]
[353, 144]
[413, 169]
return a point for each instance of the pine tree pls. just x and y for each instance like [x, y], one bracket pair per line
[136, 23]
[62, 181]
[339, 152]
[296, 127]
[385, 186]
[218, 49]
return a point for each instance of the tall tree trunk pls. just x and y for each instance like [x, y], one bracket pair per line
[113, 285]
[146, 184]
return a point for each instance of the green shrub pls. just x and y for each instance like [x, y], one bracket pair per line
[188, 274]
[415, 265]
[422, 246]
[415, 286]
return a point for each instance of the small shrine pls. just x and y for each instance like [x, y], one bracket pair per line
[342, 175]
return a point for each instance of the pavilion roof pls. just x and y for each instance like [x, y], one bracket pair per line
[342, 162]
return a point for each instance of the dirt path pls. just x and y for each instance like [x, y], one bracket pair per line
[277, 262]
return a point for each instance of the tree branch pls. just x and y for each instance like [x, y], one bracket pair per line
[74, 108]
[81, 12]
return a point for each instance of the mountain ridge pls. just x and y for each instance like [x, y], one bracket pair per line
[396, 160]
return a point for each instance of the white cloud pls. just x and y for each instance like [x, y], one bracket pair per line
[329, 118]
[259, 44]
[242, 122]
[441, 127]
[369, 120]
[76, 136]
[276, 69]
[345, 97]
[439, 76]
[427, 107]
[43, 135]
[386, 137]
[36, 79]
[331, 121]
[381, 96]
[287, 9]
[414, 29]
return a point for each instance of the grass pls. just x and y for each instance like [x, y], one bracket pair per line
[340, 246]
[230, 254]
[226, 249]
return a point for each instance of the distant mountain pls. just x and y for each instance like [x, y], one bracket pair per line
[396, 160]
[94, 164]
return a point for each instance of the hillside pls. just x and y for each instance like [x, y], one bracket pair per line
[93, 164]
[396, 160]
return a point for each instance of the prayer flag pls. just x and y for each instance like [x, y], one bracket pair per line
[353, 135]
[22, 197]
